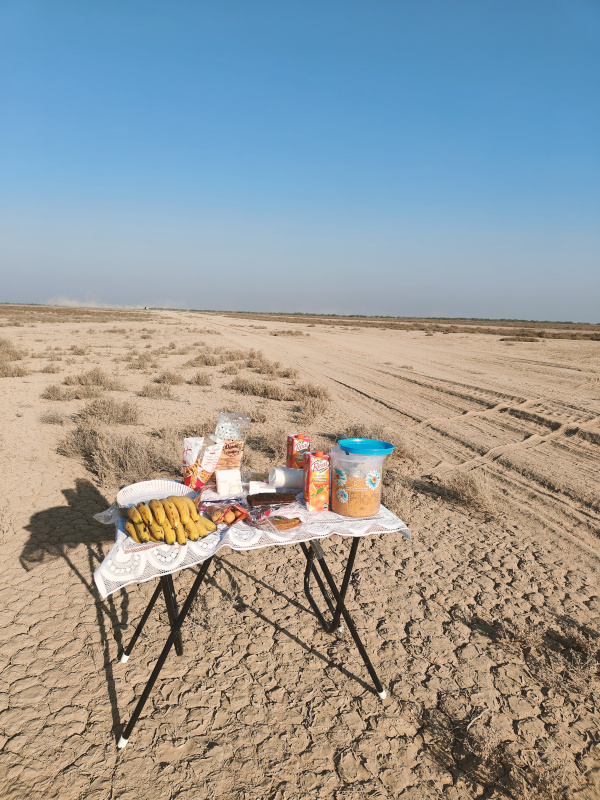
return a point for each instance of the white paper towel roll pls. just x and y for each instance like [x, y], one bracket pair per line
[286, 477]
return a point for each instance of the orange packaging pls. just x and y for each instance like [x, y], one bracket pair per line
[316, 481]
[297, 446]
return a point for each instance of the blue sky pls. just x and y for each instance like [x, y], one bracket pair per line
[404, 158]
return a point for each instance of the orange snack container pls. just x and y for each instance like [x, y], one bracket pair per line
[316, 481]
[297, 446]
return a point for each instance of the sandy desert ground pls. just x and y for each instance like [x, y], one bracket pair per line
[484, 629]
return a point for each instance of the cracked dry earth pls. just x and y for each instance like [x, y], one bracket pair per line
[484, 629]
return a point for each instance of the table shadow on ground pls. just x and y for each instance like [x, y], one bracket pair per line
[234, 595]
[56, 533]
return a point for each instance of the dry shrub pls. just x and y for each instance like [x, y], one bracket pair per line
[203, 360]
[288, 372]
[51, 369]
[78, 351]
[111, 412]
[8, 352]
[271, 391]
[121, 458]
[467, 489]
[200, 379]
[8, 370]
[272, 444]
[156, 391]
[169, 378]
[95, 377]
[141, 361]
[310, 408]
[146, 336]
[234, 355]
[258, 415]
[519, 339]
[288, 333]
[230, 369]
[311, 390]
[54, 392]
[397, 497]
[53, 418]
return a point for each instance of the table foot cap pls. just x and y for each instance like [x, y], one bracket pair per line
[124, 660]
[383, 694]
[122, 743]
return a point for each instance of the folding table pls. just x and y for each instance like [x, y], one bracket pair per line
[127, 563]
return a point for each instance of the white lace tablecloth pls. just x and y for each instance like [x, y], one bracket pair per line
[128, 562]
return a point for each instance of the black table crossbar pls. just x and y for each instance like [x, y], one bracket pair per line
[333, 597]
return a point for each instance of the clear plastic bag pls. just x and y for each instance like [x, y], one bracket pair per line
[233, 428]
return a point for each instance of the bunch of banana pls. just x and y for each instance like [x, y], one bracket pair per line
[174, 519]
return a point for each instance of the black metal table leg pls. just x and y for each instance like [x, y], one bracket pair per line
[310, 553]
[164, 653]
[127, 651]
[315, 550]
[172, 610]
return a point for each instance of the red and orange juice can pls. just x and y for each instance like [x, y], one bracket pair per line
[316, 481]
[297, 445]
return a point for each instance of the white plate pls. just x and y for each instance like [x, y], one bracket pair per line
[150, 490]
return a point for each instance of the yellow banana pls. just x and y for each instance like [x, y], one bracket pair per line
[169, 533]
[156, 532]
[131, 531]
[191, 531]
[142, 532]
[191, 507]
[145, 513]
[208, 524]
[157, 510]
[171, 513]
[134, 515]
[180, 534]
[182, 509]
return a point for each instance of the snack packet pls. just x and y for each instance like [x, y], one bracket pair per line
[228, 513]
[200, 460]
[232, 427]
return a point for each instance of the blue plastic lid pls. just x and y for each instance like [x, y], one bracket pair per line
[366, 447]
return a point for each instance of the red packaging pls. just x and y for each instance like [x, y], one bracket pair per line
[316, 481]
[297, 445]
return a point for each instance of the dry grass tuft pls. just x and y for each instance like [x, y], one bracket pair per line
[8, 370]
[50, 369]
[169, 378]
[311, 408]
[312, 390]
[156, 391]
[271, 391]
[230, 369]
[111, 412]
[9, 353]
[288, 333]
[468, 489]
[53, 418]
[203, 360]
[271, 444]
[54, 392]
[121, 458]
[200, 379]
[397, 497]
[95, 377]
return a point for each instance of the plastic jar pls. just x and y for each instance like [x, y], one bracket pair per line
[355, 483]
